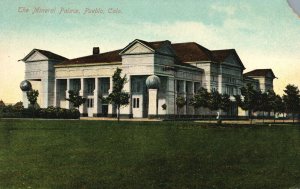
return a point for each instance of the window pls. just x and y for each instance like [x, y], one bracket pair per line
[136, 102]
[105, 84]
[230, 90]
[90, 103]
[90, 87]
[76, 84]
[136, 86]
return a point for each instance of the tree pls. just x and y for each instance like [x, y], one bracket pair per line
[2, 104]
[75, 98]
[18, 106]
[278, 105]
[291, 99]
[275, 102]
[225, 102]
[180, 102]
[32, 96]
[118, 97]
[264, 104]
[248, 99]
[214, 100]
[200, 99]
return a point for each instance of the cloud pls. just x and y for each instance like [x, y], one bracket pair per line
[226, 9]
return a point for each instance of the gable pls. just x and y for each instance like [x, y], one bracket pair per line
[35, 56]
[138, 48]
[232, 60]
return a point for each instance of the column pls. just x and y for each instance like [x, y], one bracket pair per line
[82, 92]
[25, 99]
[55, 103]
[67, 94]
[44, 95]
[185, 96]
[126, 111]
[130, 99]
[220, 81]
[152, 108]
[97, 104]
[171, 89]
[110, 106]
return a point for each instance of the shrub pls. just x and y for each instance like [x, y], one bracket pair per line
[47, 113]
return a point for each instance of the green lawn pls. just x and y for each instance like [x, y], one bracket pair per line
[107, 154]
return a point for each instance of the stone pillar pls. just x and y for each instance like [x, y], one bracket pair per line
[55, 101]
[152, 108]
[82, 92]
[67, 94]
[44, 93]
[126, 111]
[110, 106]
[25, 99]
[171, 89]
[189, 94]
[96, 98]
[185, 97]
[220, 81]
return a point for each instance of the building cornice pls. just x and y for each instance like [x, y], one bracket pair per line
[88, 64]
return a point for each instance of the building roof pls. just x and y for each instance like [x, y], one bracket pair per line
[221, 55]
[107, 57]
[184, 53]
[154, 44]
[191, 52]
[260, 73]
[48, 54]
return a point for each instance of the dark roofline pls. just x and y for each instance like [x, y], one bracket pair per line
[50, 55]
[227, 51]
[151, 45]
[107, 57]
[184, 54]
[260, 72]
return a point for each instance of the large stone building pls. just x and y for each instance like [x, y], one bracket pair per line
[179, 69]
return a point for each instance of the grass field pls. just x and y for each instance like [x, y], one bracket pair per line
[108, 154]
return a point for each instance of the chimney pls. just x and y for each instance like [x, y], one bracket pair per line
[96, 50]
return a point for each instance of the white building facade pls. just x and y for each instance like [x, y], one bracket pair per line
[182, 68]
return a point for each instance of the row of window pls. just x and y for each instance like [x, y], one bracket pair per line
[179, 87]
[230, 80]
[231, 90]
[90, 102]
[91, 87]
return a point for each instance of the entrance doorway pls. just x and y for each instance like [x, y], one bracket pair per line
[90, 107]
[104, 110]
[137, 106]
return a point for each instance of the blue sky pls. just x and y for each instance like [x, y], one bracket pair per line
[265, 34]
